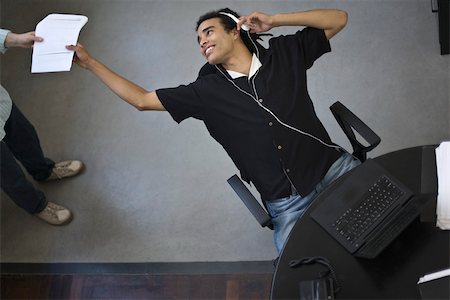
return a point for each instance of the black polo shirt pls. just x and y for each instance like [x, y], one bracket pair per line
[266, 123]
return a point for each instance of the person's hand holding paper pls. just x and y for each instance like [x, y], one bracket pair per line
[58, 30]
[21, 40]
[82, 57]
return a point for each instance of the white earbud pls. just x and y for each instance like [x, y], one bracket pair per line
[233, 17]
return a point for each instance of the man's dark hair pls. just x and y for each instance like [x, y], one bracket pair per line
[226, 21]
[229, 24]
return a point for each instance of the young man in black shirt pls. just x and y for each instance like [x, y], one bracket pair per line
[254, 102]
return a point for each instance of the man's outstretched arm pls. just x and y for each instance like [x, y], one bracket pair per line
[330, 20]
[125, 89]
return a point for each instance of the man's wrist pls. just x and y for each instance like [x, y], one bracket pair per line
[10, 40]
[275, 20]
[92, 64]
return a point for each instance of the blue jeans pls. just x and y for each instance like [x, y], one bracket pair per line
[286, 211]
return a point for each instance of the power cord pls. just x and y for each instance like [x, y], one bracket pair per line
[330, 272]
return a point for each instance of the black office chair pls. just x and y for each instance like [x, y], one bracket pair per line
[349, 123]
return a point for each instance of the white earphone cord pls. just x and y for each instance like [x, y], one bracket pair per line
[268, 110]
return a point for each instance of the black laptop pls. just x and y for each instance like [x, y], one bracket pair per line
[368, 210]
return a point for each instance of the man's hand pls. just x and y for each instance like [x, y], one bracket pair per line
[257, 22]
[23, 40]
[330, 20]
[81, 57]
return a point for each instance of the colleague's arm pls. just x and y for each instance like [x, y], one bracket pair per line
[330, 20]
[125, 89]
[22, 40]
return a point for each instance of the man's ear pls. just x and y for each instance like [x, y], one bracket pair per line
[236, 33]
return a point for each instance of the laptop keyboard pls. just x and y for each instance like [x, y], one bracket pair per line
[357, 219]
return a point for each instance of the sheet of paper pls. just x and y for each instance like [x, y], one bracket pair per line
[443, 198]
[58, 31]
[434, 276]
[435, 285]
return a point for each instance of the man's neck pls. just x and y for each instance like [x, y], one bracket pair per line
[240, 61]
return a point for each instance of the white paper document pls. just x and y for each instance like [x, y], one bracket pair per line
[435, 275]
[58, 31]
[443, 173]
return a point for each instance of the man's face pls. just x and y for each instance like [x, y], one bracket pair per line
[216, 45]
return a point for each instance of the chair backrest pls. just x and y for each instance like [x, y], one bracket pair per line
[349, 123]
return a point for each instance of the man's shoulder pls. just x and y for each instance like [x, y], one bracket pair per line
[206, 69]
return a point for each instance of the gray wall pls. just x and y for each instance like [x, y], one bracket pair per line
[156, 191]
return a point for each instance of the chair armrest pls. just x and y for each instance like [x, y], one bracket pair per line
[250, 201]
[349, 122]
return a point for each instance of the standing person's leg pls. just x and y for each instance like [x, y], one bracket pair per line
[22, 192]
[23, 141]
[15, 184]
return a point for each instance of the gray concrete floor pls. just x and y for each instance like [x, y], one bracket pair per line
[152, 190]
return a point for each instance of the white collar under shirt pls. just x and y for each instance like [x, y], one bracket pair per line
[256, 64]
